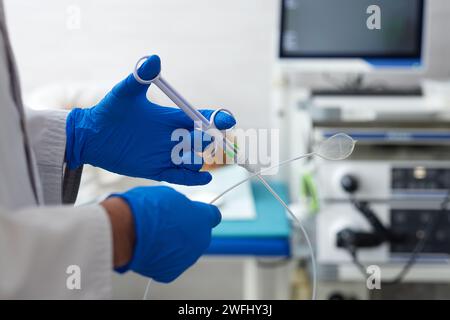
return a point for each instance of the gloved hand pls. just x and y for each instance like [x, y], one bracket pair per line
[126, 134]
[172, 232]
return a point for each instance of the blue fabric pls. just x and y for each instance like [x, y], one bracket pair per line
[266, 235]
[129, 135]
[172, 232]
[271, 219]
[270, 246]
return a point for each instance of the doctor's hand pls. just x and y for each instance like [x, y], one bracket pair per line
[158, 232]
[127, 134]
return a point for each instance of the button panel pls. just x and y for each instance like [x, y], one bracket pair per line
[420, 178]
[412, 224]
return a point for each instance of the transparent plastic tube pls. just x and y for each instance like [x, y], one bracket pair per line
[337, 147]
[326, 150]
[147, 290]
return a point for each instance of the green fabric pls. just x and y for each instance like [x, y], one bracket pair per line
[309, 192]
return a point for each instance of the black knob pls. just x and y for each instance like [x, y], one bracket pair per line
[349, 183]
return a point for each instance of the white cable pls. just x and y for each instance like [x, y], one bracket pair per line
[147, 290]
[263, 181]
[259, 173]
[337, 147]
[295, 219]
[303, 230]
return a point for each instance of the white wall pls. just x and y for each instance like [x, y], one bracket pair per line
[218, 53]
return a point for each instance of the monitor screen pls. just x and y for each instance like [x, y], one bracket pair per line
[339, 29]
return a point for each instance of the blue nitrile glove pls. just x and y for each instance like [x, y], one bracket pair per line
[172, 232]
[126, 134]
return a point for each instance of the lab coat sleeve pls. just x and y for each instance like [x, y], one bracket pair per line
[42, 249]
[47, 131]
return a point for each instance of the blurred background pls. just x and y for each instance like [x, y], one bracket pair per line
[281, 65]
[219, 53]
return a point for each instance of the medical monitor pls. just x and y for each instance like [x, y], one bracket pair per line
[352, 35]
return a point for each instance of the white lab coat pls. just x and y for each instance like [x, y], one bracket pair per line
[40, 238]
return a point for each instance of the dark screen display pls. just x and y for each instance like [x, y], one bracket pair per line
[338, 28]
